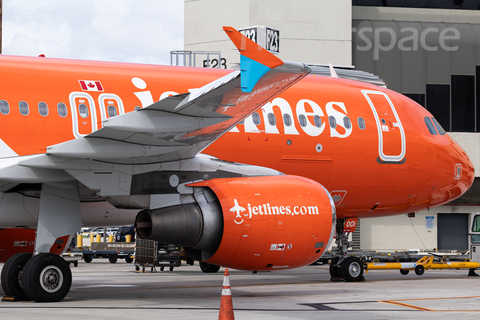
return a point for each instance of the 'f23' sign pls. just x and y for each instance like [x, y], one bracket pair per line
[273, 40]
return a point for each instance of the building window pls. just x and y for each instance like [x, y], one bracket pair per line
[463, 102]
[43, 108]
[438, 103]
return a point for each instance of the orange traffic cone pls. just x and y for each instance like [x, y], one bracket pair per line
[226, 304]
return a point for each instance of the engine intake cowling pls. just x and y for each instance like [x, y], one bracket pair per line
[255, 223]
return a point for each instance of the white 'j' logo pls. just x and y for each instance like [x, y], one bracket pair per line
[237, 209]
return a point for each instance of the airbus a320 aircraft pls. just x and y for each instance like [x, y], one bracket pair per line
[254, 169]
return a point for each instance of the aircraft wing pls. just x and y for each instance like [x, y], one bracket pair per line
[179, 127]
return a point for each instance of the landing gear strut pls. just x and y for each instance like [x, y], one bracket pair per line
[342, 267]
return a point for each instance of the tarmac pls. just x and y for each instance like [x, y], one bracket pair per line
[102, 290]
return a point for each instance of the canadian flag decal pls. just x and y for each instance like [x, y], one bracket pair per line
[90, 85]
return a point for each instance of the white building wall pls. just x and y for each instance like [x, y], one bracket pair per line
[312, 31]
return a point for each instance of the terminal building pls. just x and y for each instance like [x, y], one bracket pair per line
[428, 50]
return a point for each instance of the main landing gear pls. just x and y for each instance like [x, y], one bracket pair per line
[342, 267]
[45, 277]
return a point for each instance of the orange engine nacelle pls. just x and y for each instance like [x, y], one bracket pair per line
[256, 223]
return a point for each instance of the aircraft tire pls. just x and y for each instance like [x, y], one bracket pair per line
[334, 270]
[47, 278]
[352, 269]
[12, 273]
[209, 268]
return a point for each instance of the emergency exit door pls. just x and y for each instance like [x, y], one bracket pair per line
[84, 115]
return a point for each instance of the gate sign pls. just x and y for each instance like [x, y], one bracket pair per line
[350, 225]
[268, 38]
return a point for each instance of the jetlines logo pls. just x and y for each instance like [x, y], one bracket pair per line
[267, 210]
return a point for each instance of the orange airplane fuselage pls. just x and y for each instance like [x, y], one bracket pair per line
[370, 147]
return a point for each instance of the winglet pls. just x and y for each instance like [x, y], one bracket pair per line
[255, 61]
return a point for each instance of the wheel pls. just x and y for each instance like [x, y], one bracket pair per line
[137, 268]
[87, 258]
[129, 259]
[112, 258]
[161, 268]
[12, 273]
[404, 272]
[419, 270]
[209, 268]
[334, 270]
[47, 278]
[171, 268]
[352, 269]
[75, 263]
[190, 260]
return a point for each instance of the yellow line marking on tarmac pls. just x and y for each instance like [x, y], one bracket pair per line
[406, 305]
[398, 303]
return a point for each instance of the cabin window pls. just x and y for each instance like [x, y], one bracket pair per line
[112, 111]
[62, 109]
[83, 110]
[4, 107]
[256, 118]
[347, 123]
[287, 120]
[361, 123]
[438, 126]
[430, 126]
[318, 121]
[23, 106]
[333, 122]
[43, 108]
[271, 119]
[303, 120]
[384, 122]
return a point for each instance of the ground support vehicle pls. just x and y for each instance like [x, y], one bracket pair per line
[110, 250]
[434, 261]
[152, 254]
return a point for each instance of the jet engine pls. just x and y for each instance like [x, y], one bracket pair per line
[253, 223]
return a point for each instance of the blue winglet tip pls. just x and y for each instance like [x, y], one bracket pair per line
[251, 72]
